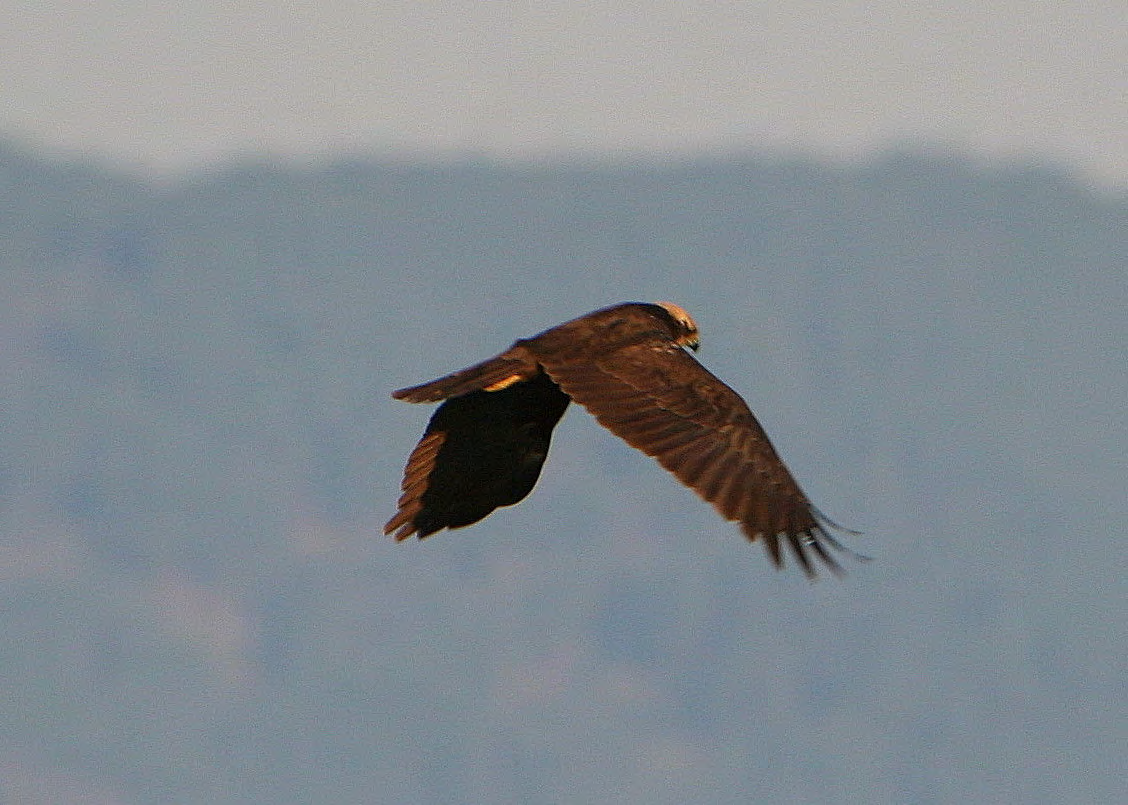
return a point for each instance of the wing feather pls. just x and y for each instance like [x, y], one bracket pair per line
[657, 398]
[498, 373]
[481, 450]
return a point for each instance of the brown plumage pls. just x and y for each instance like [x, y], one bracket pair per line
[487, 442]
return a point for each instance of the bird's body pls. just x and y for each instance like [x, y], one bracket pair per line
[626, 364]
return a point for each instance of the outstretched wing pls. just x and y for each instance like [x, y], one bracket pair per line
[482, 449]
[660, 400]
[512, 366]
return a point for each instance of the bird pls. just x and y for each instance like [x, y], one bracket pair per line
[628, 365]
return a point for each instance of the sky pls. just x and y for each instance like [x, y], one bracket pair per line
[166, 88]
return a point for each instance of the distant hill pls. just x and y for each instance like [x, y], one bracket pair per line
[197, 451]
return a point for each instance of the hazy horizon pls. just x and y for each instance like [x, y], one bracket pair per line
[171, 89]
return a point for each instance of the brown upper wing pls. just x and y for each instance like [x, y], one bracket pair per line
[510, 367]
[660, 400]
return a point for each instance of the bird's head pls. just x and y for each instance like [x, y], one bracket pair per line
[687, 327]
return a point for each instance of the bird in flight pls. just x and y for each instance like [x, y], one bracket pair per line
[627, 364]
